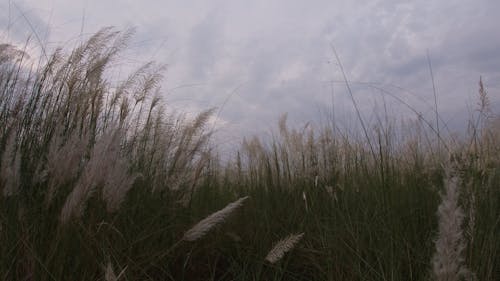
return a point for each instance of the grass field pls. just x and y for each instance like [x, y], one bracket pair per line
[97, 182]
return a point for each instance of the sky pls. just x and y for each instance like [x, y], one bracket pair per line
[256, 60]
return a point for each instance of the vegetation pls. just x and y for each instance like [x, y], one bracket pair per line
[97, 182]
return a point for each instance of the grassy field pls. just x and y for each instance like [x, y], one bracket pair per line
[97, 182]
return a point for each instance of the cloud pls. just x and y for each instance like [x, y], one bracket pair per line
[18, 22]
[204, 46]
[278, 53]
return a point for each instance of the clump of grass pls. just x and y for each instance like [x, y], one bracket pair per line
[282, 247]
[73, 144]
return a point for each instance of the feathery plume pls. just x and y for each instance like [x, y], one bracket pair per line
[283, 246]
[304, 197]
[102, 163]
[207, 224]
[109, 274]
[63, 162]
[118, 183]
[10, 168]
[448, 262]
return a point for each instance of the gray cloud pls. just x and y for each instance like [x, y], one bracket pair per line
[19, 21]
[279, 52]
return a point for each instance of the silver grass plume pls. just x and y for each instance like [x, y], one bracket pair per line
[283, 246]
[102, 157]
[109, 274]
[63, 162]
[107, 168]
[207, 224]
[118, 181]
[10, 168]
[448, 262]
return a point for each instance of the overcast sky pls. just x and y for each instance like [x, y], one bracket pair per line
[276, 56]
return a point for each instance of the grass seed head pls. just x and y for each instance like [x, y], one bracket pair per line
[283, 246]
[215, 219]
[109, 274]
[448, 262]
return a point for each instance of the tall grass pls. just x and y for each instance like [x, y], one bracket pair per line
[73, 145]
[99, 182]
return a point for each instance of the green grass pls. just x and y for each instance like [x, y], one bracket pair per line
[370, 211]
